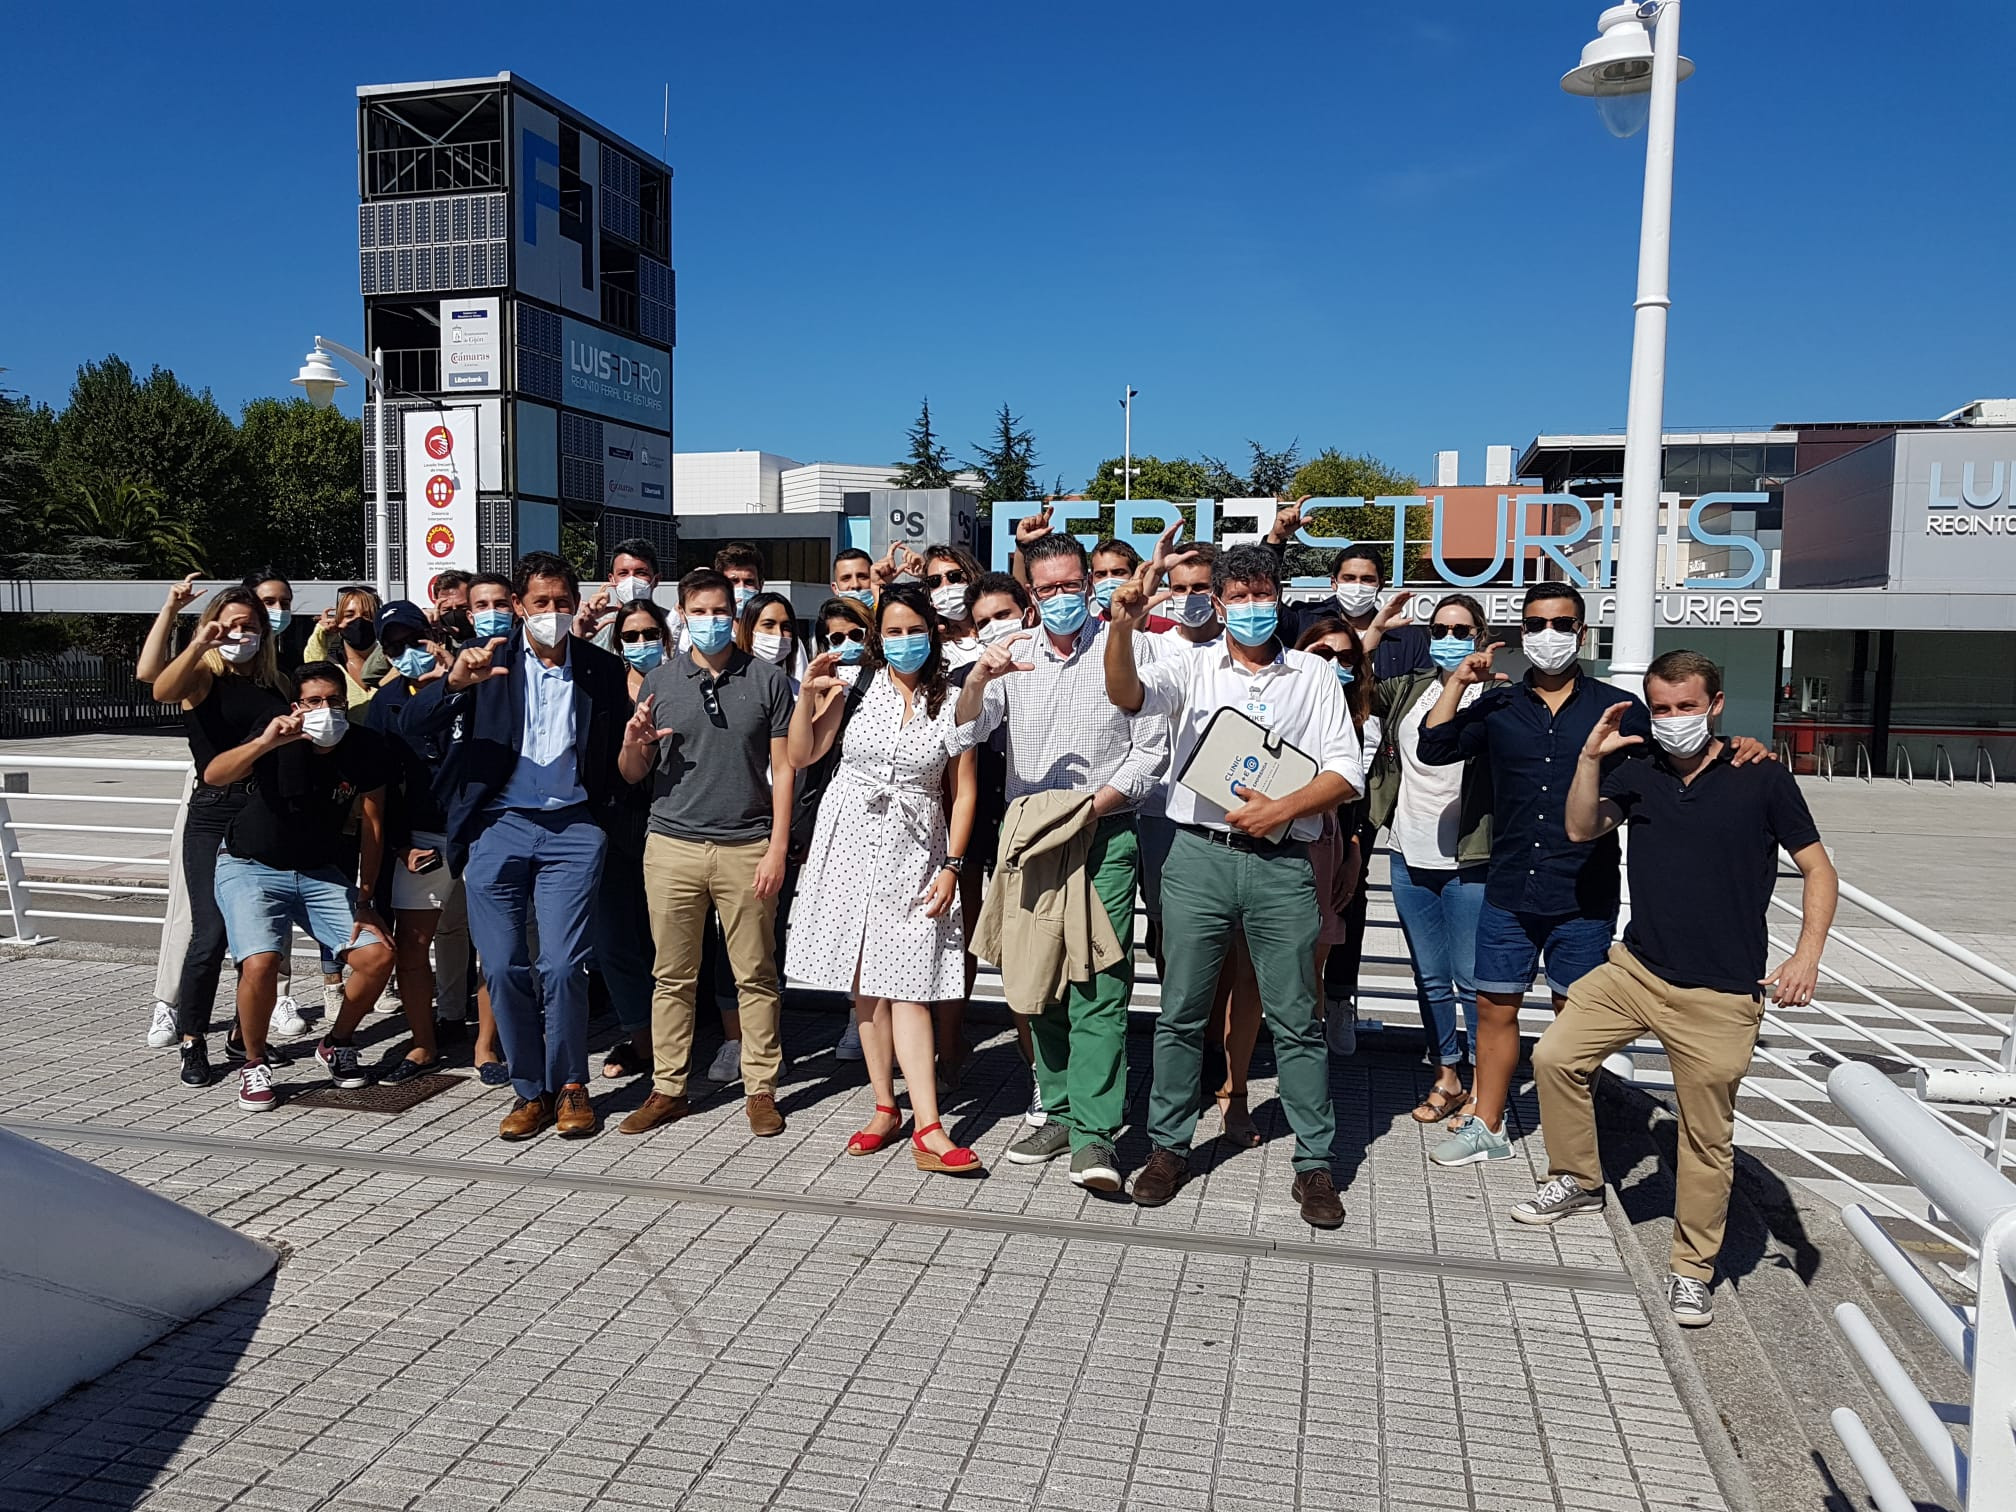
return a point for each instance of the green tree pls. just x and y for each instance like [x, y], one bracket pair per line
[121, 530]
[1007, 468]
[1271, 472]
[1332, 475]
[1178, 480]
[24, 491]
[164, 437]
[929, 464]
[306, 467]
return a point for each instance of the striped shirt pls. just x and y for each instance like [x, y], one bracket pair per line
[1064, 733]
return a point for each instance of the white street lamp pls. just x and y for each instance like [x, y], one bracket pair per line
[1634, 78]
[1127, 468]
[319, 379]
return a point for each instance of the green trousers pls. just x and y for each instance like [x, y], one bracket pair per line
[1209, 893]
[1081, 1042]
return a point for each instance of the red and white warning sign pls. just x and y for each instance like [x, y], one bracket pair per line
[440, 455]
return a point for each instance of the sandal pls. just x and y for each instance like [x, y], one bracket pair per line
[865, 1143]
[494, 1074]
[957, 1161]
[1442, 1104]
[623, 1059]
[1239, 1126]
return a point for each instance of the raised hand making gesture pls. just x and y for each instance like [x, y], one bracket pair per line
[1476, 667]
[641, 729]
[1604, 739]
[1136, 598]
[1032, 528]
[1289, 519]
[478, 664]
[1003, 657]
[181, 595]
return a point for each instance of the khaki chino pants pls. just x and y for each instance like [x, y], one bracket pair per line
[1708, 1038]
[681, 878]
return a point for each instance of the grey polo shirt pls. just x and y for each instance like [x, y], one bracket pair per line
[712, 777]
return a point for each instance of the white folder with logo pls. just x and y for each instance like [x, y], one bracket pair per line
[1236, 748]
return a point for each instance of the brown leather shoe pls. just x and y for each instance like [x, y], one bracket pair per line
[1162, 1178]
[1317, 1192]
[574, 1117]
[655, 1110]
[764, 1119]
[528, 1116]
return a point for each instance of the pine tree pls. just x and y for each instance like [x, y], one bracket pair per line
[929, 464]
[1007, 468]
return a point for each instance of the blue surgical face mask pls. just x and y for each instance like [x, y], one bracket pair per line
[850, 652]
[1252, 624]
[710, 632]
[1345, 675]
[414, 662]
[1448, 652]
[279, 619]
[743, 593]
[1063, 613]
[906, 652]
[489, 622]
[862, 596]
[644, 655]
[1103, 591]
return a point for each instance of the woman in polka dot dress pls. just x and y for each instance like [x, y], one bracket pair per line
[876, 914]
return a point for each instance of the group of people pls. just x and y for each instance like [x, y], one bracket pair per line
[519, 782]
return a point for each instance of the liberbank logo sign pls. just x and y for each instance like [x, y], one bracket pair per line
[1963, 513]
[612, 376]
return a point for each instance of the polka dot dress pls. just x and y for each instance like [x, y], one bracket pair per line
[879, 842]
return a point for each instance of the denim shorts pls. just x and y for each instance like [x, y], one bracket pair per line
[260, 904]
[1510, 946]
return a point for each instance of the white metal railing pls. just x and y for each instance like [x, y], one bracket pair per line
[1980, 1203]
[1900, 764]
[23, 905]
[1942, 764]
[1984, 765]
[1864, 767]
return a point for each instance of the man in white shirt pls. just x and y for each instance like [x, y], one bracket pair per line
[1223, 874]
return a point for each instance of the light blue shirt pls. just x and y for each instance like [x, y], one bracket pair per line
[545, 777]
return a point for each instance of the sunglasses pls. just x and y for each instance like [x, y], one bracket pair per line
[835, 639]
[1461, 632]
[955, 576]
[1567, 624]
[1347, 658]
[641, 637]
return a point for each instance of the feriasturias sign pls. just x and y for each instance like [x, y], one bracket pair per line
[1234, 522]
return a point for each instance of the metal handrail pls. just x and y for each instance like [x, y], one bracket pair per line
[1824, 760]
[1981, 1203]
[1941, 759]
[20, 890]
[1981, 758]
[1864, 767]
[1903, 759]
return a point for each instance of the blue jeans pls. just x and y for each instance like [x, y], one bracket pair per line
[1438, 914]
[540, 868]
[1510, 946]
[622, 927]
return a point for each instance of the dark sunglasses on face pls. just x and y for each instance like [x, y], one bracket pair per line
[1347, 658]
[835, 639]
[641, 637]
[954, 576]
[1567, 624]
[1461, 632]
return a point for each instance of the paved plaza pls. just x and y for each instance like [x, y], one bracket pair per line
[700, 1319]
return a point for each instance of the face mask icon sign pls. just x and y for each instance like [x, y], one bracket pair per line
[440, 444]
[440, 540]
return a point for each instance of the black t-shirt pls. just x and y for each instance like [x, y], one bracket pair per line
[234, 710]
[301, 801]
[1704, 861]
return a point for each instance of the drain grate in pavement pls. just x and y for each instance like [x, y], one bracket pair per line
[375, 1099]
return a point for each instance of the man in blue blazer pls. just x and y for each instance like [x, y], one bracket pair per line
[534, 721]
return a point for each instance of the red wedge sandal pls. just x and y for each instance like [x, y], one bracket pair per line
[957, 1161]
[865, 1143]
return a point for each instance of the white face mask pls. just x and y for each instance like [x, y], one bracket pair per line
[996, 631]
[1551, 650]
[1192, 609]
[771, 646]
[548, 629]
[950, 601]
[1681, 734]
[239, 648]
[324, 727]
[629, 590]
[1357, 598]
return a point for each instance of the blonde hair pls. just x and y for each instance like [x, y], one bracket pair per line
[365, 596]
[264, 668]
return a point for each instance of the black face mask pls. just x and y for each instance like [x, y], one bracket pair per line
[455, 625]
[360, 635]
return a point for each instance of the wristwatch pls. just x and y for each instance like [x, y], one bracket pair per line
[954, 864]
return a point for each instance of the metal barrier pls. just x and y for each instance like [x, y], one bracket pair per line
[1901, 759]
[1981, 1204]
[22, 892]
[1983, 759]
[1942, 762]
[1864, 767]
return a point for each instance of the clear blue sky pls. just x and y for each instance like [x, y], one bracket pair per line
[1345, 223]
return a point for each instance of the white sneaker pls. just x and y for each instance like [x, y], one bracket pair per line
[1035, 1117]
[389, 1000]
[161, 1028]
[332, 1000]
[727, 1063]
[849, 1048]
[287, 1020]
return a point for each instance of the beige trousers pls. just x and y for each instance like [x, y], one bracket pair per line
[1708, 1038]
[681, 878]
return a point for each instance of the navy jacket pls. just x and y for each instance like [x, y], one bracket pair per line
[482, 727]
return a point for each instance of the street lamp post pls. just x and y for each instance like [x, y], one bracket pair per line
[319, 379]
[1634, 77]
[1127, 441]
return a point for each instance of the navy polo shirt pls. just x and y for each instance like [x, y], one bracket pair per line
[1704, 862]
[1532, 751]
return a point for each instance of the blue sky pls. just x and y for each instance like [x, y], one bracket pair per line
[1381, 227]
